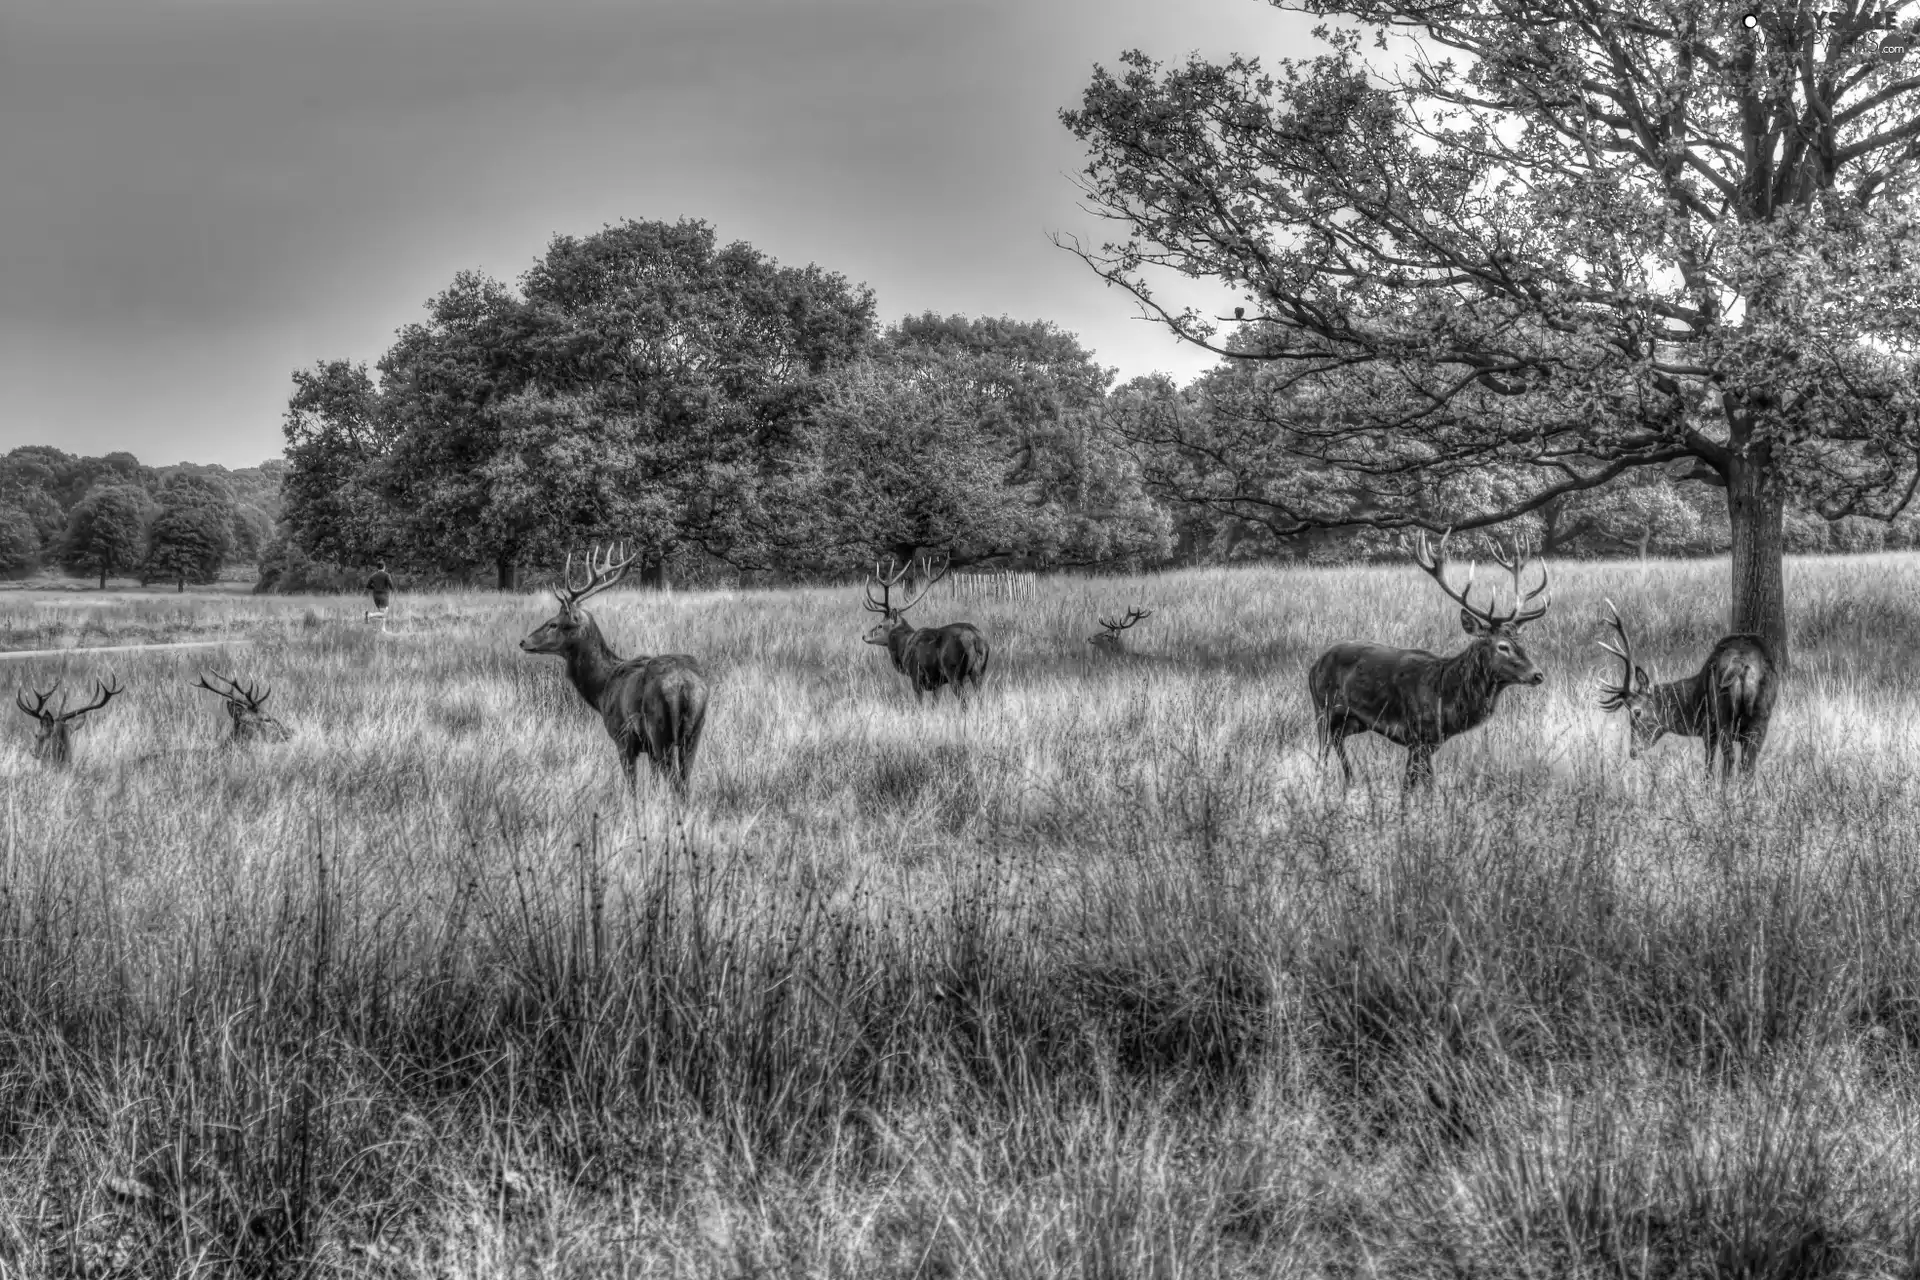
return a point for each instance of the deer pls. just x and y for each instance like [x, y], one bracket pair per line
[1416, 699]
[1109, 641]
[656, 705]
[1728, 701]
[53, 742]
[250, 723]
[930, 657]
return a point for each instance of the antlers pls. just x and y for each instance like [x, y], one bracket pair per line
[102, 695]
[602, 572]
[1632, 679]
[1514, 562]
[887, 583]
[234, 692]
[1133, 616]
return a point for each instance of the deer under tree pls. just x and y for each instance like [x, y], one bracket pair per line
[53, 742]
[250, 723]
[1728, 702]
[655, 705]
[930, 657]
[1418, 699]
[1110, 640]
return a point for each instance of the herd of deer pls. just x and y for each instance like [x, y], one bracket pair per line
[657, 706]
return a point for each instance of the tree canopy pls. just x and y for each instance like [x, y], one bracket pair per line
[1607, 237]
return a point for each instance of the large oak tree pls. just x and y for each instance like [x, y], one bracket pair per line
[1567, 237]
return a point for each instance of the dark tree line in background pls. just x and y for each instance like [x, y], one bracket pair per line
[716, 408]
[114, 516]
[732, 415]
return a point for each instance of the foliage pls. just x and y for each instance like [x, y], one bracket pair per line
[974, 437]
[639, 385]
[337, 433]
[19, 542]
[1602, 240]
[286, 569]
[107, 531]
[191, 537]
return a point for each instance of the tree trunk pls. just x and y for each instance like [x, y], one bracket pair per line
[103, 575]
[1756, 510]
[653, 574]
[508, 574]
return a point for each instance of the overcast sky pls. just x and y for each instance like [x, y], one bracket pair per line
[199, 196]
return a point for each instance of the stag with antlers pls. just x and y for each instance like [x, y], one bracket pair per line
[53, 742]
[1418, 699]
[1110, 641]
[250, 723]
[930, 657]
[1728, 702]
[656, 705]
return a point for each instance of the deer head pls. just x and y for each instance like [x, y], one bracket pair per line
[243, 705]
[1109, 641]
[1498, 631]
[564, 630]
[53, 742]
[890, 611]
[1644, 728]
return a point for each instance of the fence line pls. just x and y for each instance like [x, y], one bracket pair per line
[998, 584]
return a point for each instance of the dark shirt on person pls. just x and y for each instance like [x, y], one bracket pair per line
[380, 583]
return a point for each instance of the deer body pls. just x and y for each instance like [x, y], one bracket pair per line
[1417, 699]
[1728, 702]
[656, 706]
[1111, 641]
[250, 723]
[930, 657]
[53, 740]
[933, 657]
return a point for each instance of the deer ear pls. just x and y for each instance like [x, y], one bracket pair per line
[1470, 623]
[1640, 680]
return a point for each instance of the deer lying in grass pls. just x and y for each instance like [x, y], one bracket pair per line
[1418, 699]
[1728, 702]
[1110, 642]
[930, 657]
[53, 742]
[655, 705]
[250, 723]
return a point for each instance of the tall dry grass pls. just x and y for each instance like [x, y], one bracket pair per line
[1101, 977]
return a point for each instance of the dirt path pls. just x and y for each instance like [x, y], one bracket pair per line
[118, 648]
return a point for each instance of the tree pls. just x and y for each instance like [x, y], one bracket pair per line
[106, 531]
[973, 436]
[642, 382]
[187, 540]
[1613, 237]
[19, 542]
[337, 435]
[192, 535]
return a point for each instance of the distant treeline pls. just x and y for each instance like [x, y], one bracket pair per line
[115, 516]
[737, 420]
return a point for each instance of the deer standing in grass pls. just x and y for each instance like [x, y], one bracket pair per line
[1109, 641]
[930, 657]
[250, 723]
[1418, 699]
[1728, 702]
[53, 742]
[655, 705]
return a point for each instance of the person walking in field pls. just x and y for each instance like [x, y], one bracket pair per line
[381, 584]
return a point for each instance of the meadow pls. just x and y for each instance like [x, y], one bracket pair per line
[1103, 976]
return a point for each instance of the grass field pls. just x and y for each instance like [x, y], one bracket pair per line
[1102, 978]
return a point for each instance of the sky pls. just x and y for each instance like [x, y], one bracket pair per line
[198, 197]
